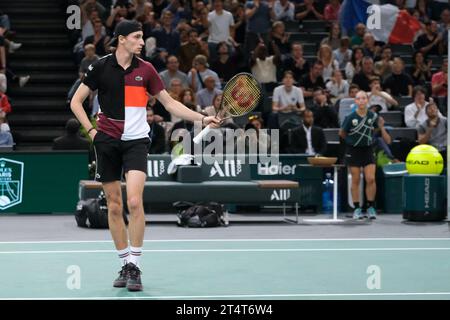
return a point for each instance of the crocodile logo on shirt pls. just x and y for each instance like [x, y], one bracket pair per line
[138, 78]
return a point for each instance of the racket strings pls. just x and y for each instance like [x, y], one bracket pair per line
[241, 96]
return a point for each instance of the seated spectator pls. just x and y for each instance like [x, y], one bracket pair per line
[331, 12]
[369, 46]
[287, 97]
[379, 97]
[362, 78]
[325, 55]
[324, 114]
[415, 112]
[6, 138]
[421, 70]
[398, 83]
[308, 138]
[89, 58]
[3, 83]
[253, 139]
[206, 95]
[429, 43]
[343, 54]
[188, 96]
[263, 66]
[226, 63]
[213, 109]
[433, 131]
[308, 10]
[99, 39]
[280, 38]
[353, 90]
[334, 38]
[337, 86]
[173, 72]
[190, 50]
[354, 66]
[199, 72]
[71, 140]
[313, 79]
[360, 31]
[295, 62]
[383, 67]
[157, 134]
[284, 10]
[439, 85]
[5, 106]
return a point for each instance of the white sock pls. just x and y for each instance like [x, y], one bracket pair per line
[135, 255]
[124, 255]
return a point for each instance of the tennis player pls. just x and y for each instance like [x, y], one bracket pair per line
[357, 130]
[121, 140]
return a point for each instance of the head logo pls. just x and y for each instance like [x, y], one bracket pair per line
[11, 183]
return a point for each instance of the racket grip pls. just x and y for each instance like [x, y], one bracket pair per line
[198, 138]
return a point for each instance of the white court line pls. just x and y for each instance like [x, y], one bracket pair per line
[230, 250]
[299, 295]
[230, 240]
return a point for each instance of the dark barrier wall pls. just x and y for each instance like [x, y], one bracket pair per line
[41, 182]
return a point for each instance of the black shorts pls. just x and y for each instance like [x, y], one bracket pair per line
[359, 156]
[115, 157]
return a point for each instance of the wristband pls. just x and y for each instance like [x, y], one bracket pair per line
[89, 131]
[203, 120]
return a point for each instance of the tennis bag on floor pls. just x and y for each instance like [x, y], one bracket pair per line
[93, 213]
[200, 215]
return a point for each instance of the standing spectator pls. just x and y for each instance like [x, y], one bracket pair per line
[383, 67]
[337, 86]
[263, 66]
[157, 134]
[415, 112]
[159, 6]
[198, 24]
[324, 114]
[284, 10]
[354, 66]
[422, 11]
[325, 55]
[439, 85]
[226, 64]
[398, 83]
[240, 25]
[167, 36]
[331, 12]
[429, 43]
[296, 63]
[334, 37]
[220, 23]
[308, 138]
[200, 70]
[443, 28]
[189, 50]
[90, 58]
[313, 79]
[98, 39]
[343, 54]
[258, 14]
[71, 140]
[173, 72]
[357, 39]
[357, 130]
[308, 10]
[379, 97]
[367, 72]
[433, 131]
[280, 38]
[206, 95]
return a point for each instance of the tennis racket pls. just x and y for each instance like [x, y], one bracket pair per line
[241, 95]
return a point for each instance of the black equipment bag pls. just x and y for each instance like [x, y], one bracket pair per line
[200, 215]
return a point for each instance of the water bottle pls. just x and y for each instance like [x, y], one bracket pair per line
[327, 194]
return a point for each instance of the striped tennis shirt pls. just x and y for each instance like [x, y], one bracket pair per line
[123, 95]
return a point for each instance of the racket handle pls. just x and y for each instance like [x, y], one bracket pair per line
[198, 138]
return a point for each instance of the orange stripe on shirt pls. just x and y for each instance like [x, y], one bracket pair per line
[135, 96]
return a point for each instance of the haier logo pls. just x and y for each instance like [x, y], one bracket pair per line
[265, 169]
[280, 195]
[229, 168]
[156, 168]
